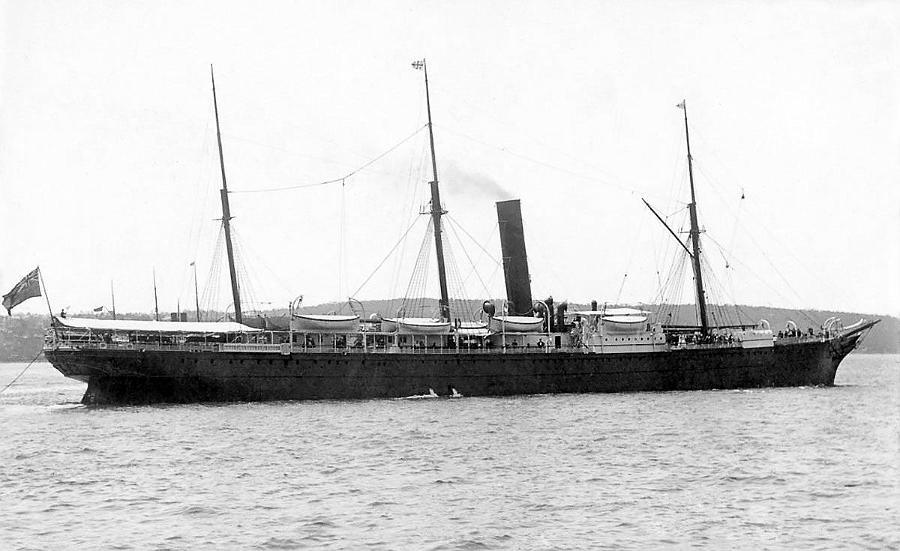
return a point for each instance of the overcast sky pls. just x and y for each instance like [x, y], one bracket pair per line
[109, 167]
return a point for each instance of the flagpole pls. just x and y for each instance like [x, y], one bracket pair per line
[44, 288]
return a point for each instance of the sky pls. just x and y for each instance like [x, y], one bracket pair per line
[109, 168]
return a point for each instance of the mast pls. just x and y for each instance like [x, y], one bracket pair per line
[226, 213]
[695, 231]
[436, 211]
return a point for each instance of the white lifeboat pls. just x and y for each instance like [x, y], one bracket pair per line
[624, 324]
[325, 323]
[472, 329]
[417, 326]
[516, 324]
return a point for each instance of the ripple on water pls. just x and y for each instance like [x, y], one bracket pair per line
[766, 467]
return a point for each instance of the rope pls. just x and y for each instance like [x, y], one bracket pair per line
[388, 255]
[469, 235]
[336, 180]
[469, 258]
[16, 378]
[776, 239]
[526, 158]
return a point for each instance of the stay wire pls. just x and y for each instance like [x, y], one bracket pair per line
[335, 180]
[773, 289]
[489, 255]
[16, 378]
[545, 164]
[388, 255]
[452, 227]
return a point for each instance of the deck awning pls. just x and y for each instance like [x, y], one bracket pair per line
[141, 326]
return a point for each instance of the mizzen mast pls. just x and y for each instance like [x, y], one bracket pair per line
[695, 231]
[436, 209]
[226, 213]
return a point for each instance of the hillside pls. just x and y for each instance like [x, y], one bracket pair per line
[21, 337]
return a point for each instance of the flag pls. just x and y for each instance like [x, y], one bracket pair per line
[418, 64]
[98, 309]
[29, 287]
[680, 105]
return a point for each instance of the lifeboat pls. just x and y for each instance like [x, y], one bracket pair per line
[624, 324]
[417, 326]
[472, 329]
[616, 320]
[325, 323]
[516, 324]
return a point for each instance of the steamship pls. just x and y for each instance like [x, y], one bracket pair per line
[521, 347]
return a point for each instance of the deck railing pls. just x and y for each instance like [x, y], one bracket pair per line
[284, 344]
[357, 343]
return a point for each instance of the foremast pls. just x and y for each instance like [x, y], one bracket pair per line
[226, 214]
[436, 209]
[695, 231]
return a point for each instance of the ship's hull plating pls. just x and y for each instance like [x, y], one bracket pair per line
[134, 376]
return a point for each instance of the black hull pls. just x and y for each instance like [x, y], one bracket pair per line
[139, 377]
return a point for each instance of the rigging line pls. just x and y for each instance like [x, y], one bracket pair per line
[16, 378]
[621, 286]
[342, 178]
[417, 281]
[489, 255]
[469, 258]
[671, 294]
[640, 232]
[256, 258]
[200, 197]
[388, 255]
[749, 232]
[294, 151]
[797, 295]
[409, 213]
[210, 297]
[547, 165]
[776, 270]
[458, 106]
[766, 283]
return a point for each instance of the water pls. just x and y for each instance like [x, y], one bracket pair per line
[774, 468]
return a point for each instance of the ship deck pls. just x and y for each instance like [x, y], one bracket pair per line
[287, 343]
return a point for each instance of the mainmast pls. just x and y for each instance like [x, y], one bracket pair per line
[226, 213]
[695, 231]
[436, 209]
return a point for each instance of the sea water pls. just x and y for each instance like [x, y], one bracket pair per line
[771, 468]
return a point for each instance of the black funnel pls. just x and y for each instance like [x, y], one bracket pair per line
[515, 259]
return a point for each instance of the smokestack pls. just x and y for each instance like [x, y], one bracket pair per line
[515, 259]
[561, 316]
